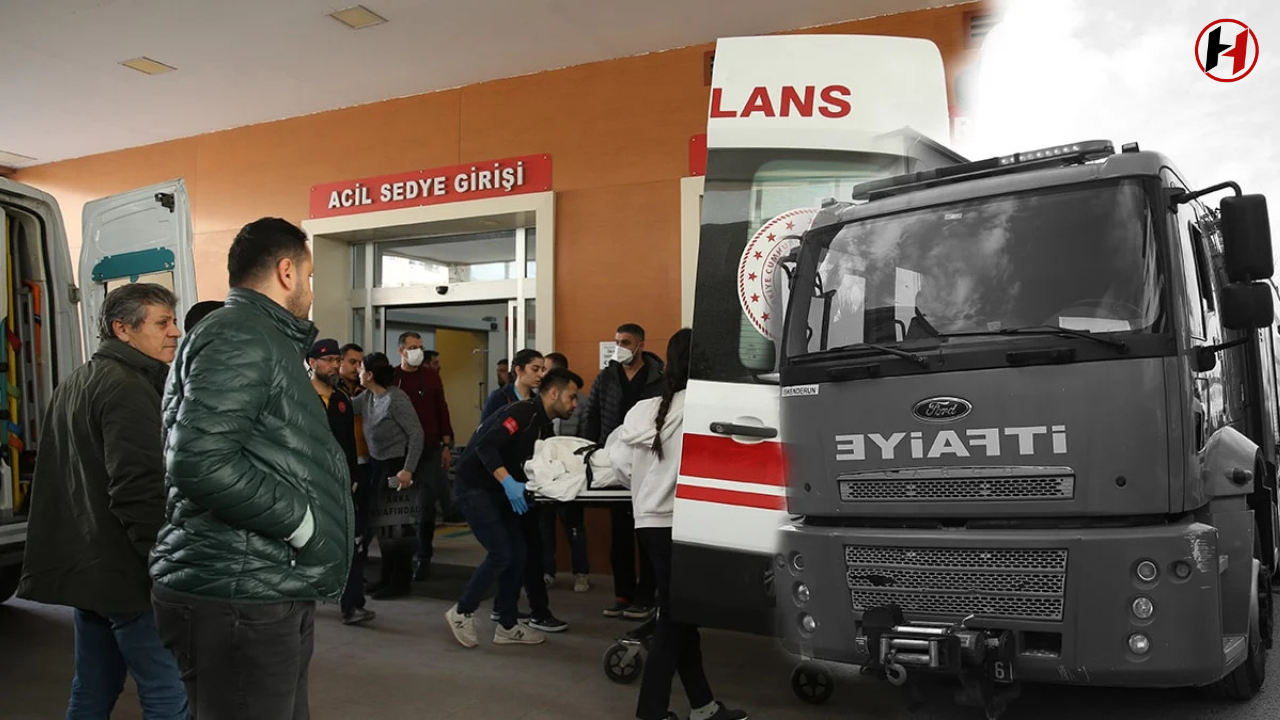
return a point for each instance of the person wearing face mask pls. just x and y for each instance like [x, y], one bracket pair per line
[631, 376]
[418, 375]
[98, 501]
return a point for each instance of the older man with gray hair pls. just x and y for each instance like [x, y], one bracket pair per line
[97, 503]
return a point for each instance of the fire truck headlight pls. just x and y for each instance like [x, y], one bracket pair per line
[1146, 571]
[1143, 608]
[1139, 644]
[807, 623]
[802, 594]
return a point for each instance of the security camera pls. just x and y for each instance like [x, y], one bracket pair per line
[442, 289]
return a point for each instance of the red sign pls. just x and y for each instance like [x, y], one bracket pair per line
[832, 101]
[473, 181]
[698, 155]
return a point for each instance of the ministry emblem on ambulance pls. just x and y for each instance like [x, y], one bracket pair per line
[762, 286]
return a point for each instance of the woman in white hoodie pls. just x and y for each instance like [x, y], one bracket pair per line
[645, 453]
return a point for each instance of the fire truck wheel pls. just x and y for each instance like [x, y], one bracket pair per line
[812, 683]
[1245, 681]
[9, 578]
[621, 669]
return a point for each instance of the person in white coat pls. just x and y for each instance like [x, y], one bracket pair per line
[645, 453]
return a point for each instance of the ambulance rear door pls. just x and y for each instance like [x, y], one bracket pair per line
[793, 120]
[143, 235]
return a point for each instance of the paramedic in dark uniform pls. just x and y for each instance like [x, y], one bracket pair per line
[325, 361]
[491, 495]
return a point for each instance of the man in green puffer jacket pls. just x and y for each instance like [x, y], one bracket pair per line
[259, 517]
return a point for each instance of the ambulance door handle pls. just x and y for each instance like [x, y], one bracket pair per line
[751, 431]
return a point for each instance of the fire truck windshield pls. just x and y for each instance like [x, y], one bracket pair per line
[1082, 258]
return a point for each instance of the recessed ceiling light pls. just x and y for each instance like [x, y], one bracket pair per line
[14, 159]
[357, 17]
[148, 66]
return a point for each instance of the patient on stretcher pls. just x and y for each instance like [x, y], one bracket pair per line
[564, 467]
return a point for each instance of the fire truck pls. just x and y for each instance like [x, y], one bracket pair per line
[1030, 419]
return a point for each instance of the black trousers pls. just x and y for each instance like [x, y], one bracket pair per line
[675, 648]
[622, 555]
[353, 593]
[432, 487]
[239, 661]
[396, 543]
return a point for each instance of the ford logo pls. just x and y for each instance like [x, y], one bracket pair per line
[941, 409]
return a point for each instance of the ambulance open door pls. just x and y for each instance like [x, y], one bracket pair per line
[143, 235]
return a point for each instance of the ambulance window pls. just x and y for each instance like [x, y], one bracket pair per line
[164, 278]
[756, 204]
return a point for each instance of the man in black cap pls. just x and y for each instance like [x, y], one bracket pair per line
[325, 361]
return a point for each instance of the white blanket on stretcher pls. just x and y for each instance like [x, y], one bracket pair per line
[559, 472]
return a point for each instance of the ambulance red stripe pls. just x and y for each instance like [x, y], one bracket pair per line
[722, 458]
[730, 497]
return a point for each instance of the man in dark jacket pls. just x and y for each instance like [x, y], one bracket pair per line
[418, 375]
[98, 501]
[491, 494]
[325, 361]
[631, 376]
[260, 521]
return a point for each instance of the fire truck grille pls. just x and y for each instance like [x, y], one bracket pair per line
[992, 488]
[956, 583]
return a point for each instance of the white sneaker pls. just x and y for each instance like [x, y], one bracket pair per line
[463, 627]
[519, 634]
[549, 579]
[581, 584]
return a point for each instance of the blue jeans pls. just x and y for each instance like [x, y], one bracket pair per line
[499, 531]
[108, 648]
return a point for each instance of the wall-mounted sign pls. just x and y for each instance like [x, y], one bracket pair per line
[698, 155]
[606, 352]
[473, 181]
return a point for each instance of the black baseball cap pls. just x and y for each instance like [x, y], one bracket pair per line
[323, 348]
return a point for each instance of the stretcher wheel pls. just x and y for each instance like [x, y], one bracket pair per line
[812, 684]
[623, 664]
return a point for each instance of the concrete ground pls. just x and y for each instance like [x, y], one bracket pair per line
[407, 665]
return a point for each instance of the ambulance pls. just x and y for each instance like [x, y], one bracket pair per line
[794, 122]
[49, 319]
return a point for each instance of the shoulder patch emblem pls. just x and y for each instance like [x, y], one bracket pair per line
[511, 425]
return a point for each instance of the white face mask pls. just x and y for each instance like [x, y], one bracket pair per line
[414, 357]
[622, 355]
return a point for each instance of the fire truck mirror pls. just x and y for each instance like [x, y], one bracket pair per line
[1247, 306]
[1247, 238]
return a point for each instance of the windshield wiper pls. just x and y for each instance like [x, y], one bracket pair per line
[1121, 346]
[917, 359]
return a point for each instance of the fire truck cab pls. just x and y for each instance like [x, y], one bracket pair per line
[1031, 419]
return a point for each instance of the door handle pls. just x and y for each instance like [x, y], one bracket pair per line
[754, 431]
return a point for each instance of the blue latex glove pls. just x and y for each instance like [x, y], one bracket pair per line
[515, 493]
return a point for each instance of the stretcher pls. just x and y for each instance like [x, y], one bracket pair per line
[592, 495]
